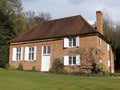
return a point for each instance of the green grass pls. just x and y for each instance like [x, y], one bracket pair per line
[16, 80]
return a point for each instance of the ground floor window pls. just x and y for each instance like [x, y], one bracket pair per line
[72, 60]
[30, 53]
[17, 54]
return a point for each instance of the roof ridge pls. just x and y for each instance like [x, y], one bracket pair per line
[62, 18]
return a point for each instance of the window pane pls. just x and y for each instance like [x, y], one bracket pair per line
[74, 41]
[70, 39]
[44, 49]
[70, 60]
[32, 56]
[70, 42]
[18, 54]
[19, 49]
[48, 52]
[29, 56]
[19, 58]
[32, 49]
[74, 60]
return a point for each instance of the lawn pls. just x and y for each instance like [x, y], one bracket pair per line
[18, 80]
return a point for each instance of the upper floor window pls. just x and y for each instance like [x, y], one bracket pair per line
[30, 53]
[71, 42]
[17, 54]
[46, 50]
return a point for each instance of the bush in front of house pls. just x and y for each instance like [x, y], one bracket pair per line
[7, 66]
[115, 74]
[77, 73]
[33, 68]
[57, 66]
[99, 68]
[20, 67]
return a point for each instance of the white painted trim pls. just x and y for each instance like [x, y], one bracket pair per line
[108, 63]
[66, 60]
[108, 47]
[14, 54]
[21, 54]
[77, 59]
[66, 42]
[26, 53]
[77, 41]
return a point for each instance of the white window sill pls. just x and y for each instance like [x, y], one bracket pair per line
[46, 54]
[71, 65]
[72, 47]
[30, 60]
[17, 61]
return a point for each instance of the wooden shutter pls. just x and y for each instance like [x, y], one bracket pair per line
[35, 52]
[66, 60]
[77, 59]
[26, 53]
[14, 54]
[66, 42]
[77, 41]
[108, 47]
[21, 58]
[108, 63]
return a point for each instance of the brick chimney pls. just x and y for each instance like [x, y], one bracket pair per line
[99, 22]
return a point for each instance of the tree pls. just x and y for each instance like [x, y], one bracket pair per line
[112, 32]
[89, 56]
[12, 23]
[32, 19]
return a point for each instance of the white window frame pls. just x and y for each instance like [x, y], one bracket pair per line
[17, 54]
[46, 50]
[68, 59]
[108, 63]
[30, 53]
[71, 42]
[72, 60]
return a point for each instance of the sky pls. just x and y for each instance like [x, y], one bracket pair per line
[66, 8]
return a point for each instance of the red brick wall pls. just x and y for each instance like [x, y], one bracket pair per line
[57, 51]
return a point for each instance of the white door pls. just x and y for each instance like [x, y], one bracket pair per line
[45, 65]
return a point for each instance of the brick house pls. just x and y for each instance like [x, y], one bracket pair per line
[41, 45]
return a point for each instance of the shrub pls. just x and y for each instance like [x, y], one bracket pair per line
[7, 66]
[33, 69]
[115, 74]
[20, 67]
[99, 68]
[57, 66]
[77, 73]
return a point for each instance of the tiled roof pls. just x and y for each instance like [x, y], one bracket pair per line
[75, 25]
